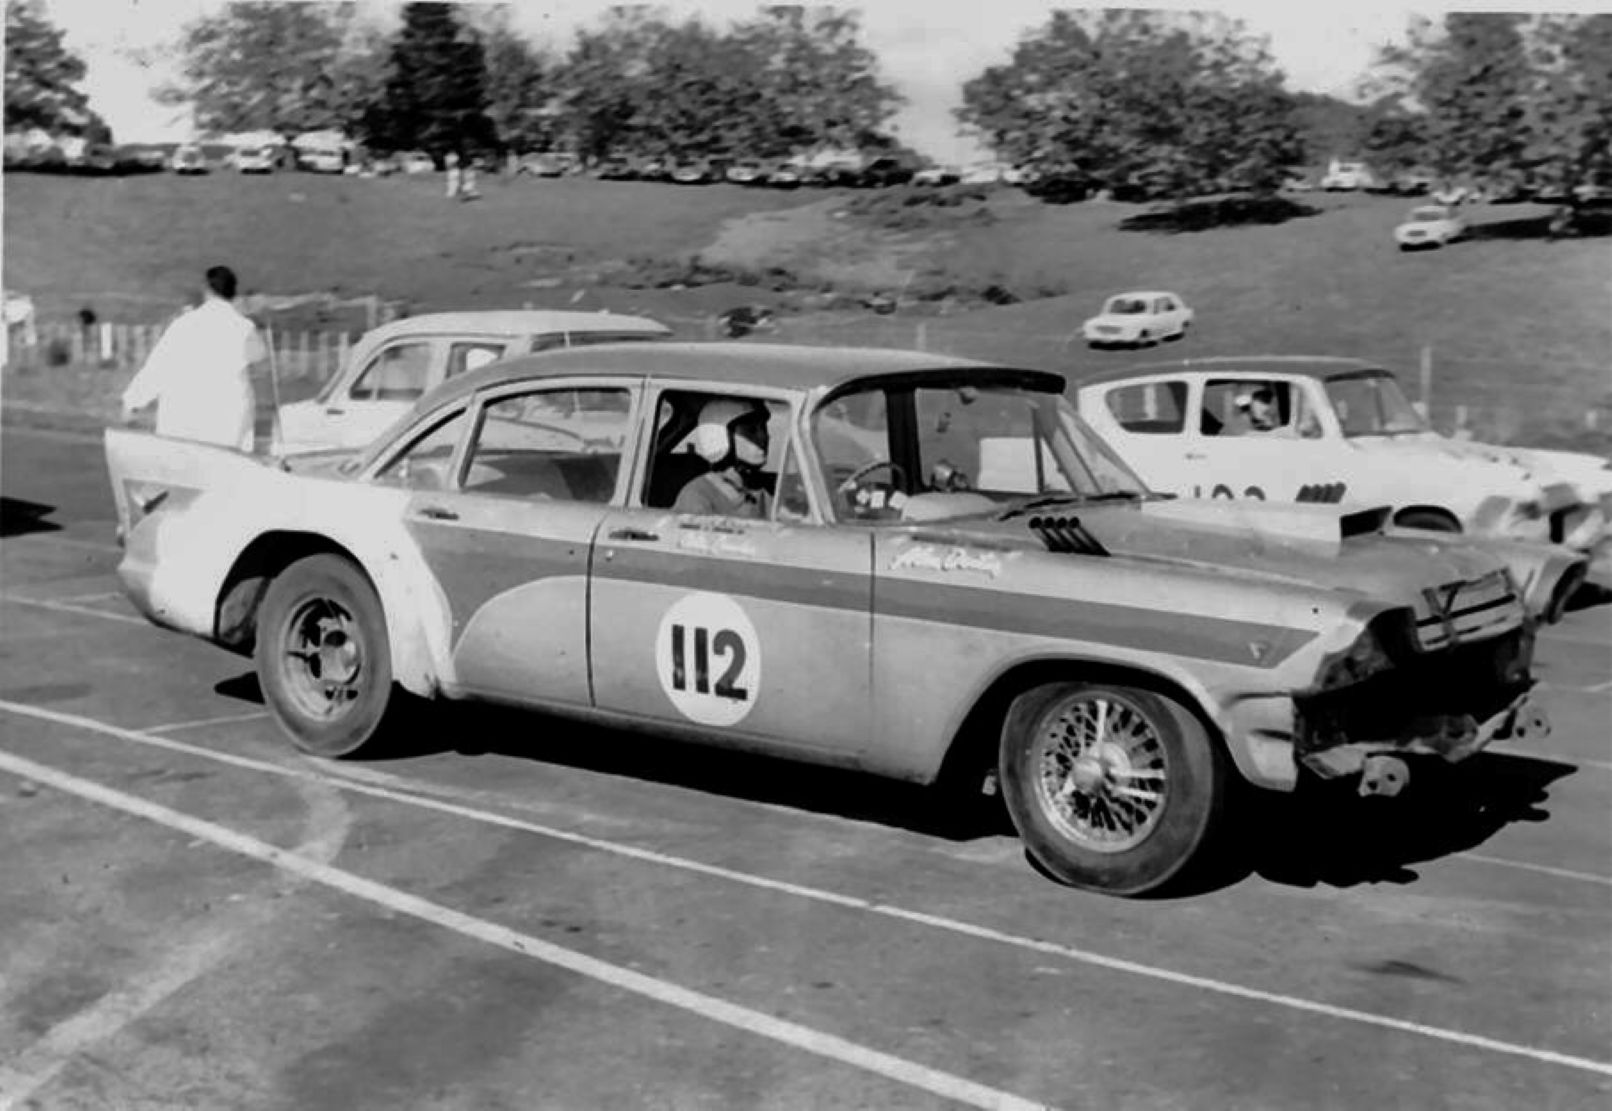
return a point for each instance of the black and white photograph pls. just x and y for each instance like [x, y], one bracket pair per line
[890, 554]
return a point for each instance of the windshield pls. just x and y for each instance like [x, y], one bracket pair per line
[1126, 306]
[957, 450]
[1373, 405]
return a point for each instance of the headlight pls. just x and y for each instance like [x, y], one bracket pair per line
[1377, 649]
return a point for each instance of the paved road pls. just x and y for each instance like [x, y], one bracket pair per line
[526, 914]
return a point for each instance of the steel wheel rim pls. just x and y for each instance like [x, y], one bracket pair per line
[322, 658]
[1101, 773]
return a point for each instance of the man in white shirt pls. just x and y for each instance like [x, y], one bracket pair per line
[198, 371]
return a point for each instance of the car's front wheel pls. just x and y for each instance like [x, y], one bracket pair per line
[1111, 787]
[323, 658]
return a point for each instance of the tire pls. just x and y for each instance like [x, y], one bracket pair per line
[323, 716]
[1168, 741]
[1429, 519]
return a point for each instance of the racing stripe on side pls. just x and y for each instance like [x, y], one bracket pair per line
[1149, 630]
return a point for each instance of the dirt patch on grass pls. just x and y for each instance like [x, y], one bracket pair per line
[821, 240]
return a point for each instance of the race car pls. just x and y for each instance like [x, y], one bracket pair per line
[1429, 225]
[941, 573]
[1342, 430]
[392, 366]
[1137, 319]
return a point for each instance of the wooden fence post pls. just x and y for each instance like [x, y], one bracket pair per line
[302, 370]
[1427, 378]
[341, 351]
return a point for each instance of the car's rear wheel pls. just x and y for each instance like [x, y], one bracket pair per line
[1111, 787]
[323, 658]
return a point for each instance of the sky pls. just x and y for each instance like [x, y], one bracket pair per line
[927, 48]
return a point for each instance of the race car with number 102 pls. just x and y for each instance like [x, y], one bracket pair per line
[955, 579]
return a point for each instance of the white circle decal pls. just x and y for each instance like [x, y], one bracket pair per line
[708, 658]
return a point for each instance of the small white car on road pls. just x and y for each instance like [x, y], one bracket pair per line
[393, 366]
[1429, 225]
[1312, 429]
[1138, 318]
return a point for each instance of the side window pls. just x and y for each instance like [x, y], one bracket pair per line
[1246, 406]
[681, 458]
[425, 463]
[1150, 408]
[564, 444]
[793, 503]
[470, 355]
[396, 373]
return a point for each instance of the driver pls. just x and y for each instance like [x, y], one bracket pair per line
[1258, 405]
[731, 436]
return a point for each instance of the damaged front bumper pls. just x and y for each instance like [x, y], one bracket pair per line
[1451, 737]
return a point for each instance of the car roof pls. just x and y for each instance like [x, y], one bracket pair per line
[519, 322]
[1141, 293]
[1309, 366]
[777, 365]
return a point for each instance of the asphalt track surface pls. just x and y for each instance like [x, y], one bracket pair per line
[527, 914]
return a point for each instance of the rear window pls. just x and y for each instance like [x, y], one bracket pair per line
[1150, 408]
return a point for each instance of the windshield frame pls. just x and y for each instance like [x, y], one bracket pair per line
[1072, 440]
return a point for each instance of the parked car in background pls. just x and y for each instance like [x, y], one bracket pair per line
[746, 173]
[321, 160]
[614, 169]
[954, 575]
[1429, 225]
[695, 173]
[1329, 430]
[415, 162]
[254, 160]
[188, 158]
[393, 366]
[937, 175]
[545, 164]
[1348, 176]
[1137, 319]
[784, 175]
[881, 173]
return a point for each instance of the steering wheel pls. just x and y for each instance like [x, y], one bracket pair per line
[871, 499]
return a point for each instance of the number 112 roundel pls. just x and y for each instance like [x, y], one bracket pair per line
[708, 658]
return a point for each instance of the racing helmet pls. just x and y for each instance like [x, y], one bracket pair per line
[727, 428]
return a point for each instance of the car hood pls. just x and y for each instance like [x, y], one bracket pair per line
[1587, 474]
[1319, 546]
[1116, 319]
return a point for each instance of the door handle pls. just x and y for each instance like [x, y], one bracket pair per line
[437, 513]
[334, 411]
[1196, 455]
[633, 534]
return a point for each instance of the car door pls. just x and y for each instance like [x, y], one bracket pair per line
[1225, 456]
[1147, 422]
[506, 524]
[379, 393]
[757, 629]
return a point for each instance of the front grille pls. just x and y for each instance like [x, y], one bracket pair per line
[1474, 680]
[1464, 611]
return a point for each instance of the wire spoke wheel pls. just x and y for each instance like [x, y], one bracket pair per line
[1111, 786]
[1102, 773]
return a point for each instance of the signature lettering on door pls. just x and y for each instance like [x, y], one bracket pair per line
[708, 659]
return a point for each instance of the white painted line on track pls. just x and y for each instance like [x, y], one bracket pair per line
[943, 1084]
[81, 611]
[1542, 869]
[954, 926]
[202, 723]
[189, 953]
[1505, 749]
[80, 598]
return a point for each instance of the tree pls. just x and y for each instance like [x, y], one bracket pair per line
[435, 97]
[267, 67]
[1570, 144]
[1160, 104]
[1470, 81]
[521, 94]
[819, 87]
[42, 77]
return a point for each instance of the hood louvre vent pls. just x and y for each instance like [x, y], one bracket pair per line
[1066, 535]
